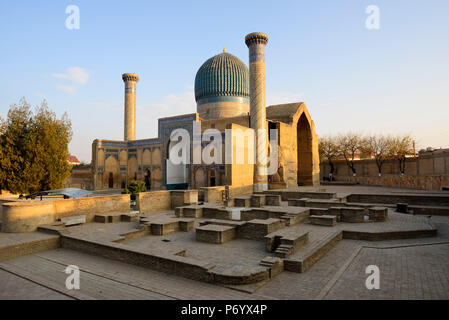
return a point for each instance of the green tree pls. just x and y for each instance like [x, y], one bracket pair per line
[34, 149]
[134, 187]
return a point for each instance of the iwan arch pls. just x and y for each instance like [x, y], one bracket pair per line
[229, 95]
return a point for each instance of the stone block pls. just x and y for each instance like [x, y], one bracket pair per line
[297, 202]
[244, 202]
[212, 233]
[321, 203]
[216, 213]
[161, 228]
[186, 225]
[251, 214]
[73, 220]
[257, 229]
[324, 220]
[257, 200]
[193, 211]
[181, 198]
[272, 200]
[352, 214]
[378, 213]
[129, 217]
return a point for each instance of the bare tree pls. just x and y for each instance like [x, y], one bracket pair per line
[377, 146]
[349, 146]
[328, 150]
[400, 148]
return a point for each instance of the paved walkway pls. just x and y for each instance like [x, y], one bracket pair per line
[15, 287]
[409, 269]
[107, 279]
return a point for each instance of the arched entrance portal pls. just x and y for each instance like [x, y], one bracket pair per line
[111, 180]
[212, 178]
[177, 176]
[305, 160]
[148, 179]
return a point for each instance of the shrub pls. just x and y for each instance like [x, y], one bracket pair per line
[133, 188]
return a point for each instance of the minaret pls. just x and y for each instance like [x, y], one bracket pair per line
[130, 80]
[256, 43]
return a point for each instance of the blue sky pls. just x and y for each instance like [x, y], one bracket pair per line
[392, 80]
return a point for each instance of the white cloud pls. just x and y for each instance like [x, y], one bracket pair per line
[66, 89]
[74, 74]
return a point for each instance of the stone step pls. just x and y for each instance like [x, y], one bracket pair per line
[283, 250]
[275, 265]
[284, 243]
[73, 220]
[312, 252]
[324, 220]
[292, 218]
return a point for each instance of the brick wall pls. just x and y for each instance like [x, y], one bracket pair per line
[26, 216]
[426, 172]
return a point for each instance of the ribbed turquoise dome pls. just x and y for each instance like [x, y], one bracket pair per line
[223, 75]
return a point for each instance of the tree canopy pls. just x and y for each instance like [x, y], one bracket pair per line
[34, 149]
[351, 146]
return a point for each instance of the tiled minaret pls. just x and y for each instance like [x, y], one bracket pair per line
[256, 43]
[130, 80]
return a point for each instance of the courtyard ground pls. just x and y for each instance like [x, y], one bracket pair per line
[409, 269]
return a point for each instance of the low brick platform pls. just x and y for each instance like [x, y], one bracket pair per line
[257, 229]
[323, 203]
[257, 200]
[348, 214]
[353, 214]
[272, 200]
[378, 213]
[287, 194]
[293, 202]
[286, 244]
[213, 233]
[115, 217]
[232, 223]
[324, 220]
[192, 211]
[160, 228]
[186, 224]
[217, 213]
[335, 211]
[14, 245]
[244, 202]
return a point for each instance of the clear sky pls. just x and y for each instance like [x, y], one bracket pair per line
[391, 80]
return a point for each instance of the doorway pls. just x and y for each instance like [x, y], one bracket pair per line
[304, 149]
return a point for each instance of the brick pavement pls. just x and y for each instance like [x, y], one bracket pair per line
[106, 279]
[14, 287]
